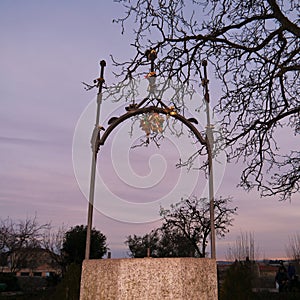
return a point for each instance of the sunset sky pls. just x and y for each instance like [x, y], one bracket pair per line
[47, 49]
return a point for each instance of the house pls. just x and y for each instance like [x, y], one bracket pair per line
[34, 262]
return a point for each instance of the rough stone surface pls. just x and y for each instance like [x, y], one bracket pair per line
[149, 279]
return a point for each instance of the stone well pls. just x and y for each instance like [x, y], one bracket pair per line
[149, 279]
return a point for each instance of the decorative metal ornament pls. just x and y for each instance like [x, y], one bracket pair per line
[152, 123]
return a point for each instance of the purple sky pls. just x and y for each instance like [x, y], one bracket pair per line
[47, 49]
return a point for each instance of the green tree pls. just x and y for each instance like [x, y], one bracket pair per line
[253, 46]
[173, 243]
[237, 282]
[139, 245]
[69, 287]
[74, 244]
[161, 242]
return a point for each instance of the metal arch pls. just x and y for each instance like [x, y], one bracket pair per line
[151, 109]
[134, 110]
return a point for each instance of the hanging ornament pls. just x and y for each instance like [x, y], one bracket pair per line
[152, 123]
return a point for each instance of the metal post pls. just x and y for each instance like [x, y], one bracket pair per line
[210, 139]
[94, 142]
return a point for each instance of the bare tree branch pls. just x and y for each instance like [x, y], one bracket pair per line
[191, 217]
[253, 46]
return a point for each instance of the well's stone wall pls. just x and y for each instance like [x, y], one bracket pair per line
[149, 279]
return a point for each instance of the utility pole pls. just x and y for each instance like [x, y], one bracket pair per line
[95, 148]
[210, 147]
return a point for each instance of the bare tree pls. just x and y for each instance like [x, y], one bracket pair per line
[254, 48]
[17, 238]
[53, 242]
[293, 247]
[244, 247]
[192, 219]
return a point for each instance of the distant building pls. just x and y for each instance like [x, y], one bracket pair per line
[35, 262]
